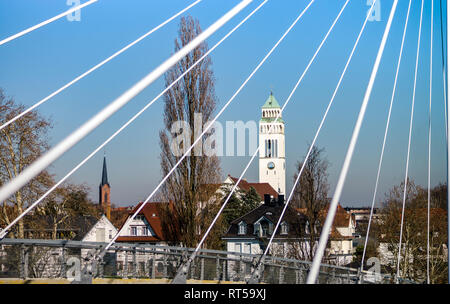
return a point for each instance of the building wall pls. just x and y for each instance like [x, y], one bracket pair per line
[275, 177]
[140, 223]
[105, 199]
[103, 231]
[246, 246]
[341, 247]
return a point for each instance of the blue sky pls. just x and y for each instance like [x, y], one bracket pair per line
[35, 65]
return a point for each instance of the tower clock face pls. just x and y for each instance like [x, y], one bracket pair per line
[271, 166]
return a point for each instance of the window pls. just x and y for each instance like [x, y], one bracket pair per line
[276, 148]
[248, 248]
[242, 228]
[263, 227]
[133, 230]
[237, 247]
[284, 228]
[266, 227]
[110, 234]
[144, 231]
[256, 228]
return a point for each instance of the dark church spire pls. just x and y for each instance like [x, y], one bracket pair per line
[104, 173]
[105, 192]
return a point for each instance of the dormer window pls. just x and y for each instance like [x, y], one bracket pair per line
[284, 228]
[242, 228]
[263, 227]
[256, 228]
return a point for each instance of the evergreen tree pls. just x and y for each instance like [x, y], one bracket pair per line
[240, 203]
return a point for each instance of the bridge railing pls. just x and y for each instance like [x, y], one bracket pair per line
[33, 258]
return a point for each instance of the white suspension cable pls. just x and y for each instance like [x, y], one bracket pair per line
[447, 84]
[32, 206]
[317, 132]
[98, 65]
[272, 124]
[313, 142]
[312, 276]
[443, 67]
[445, 106]
[206, 129]
[429, 146]
[44, 161]
[46, 22]
[409, 144]
[385, 137]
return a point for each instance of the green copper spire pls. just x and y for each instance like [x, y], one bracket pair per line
[271, 103]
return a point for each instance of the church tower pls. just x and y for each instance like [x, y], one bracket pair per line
[105, 192]
[272, 167]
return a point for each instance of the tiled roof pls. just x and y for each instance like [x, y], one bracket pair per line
[261, 188]
[140, 239]
[272, 212]
[148, 211]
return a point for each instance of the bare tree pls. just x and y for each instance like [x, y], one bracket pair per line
[21, 143]
[56, 212]
[311, 195]
[414, 239]
[60, 209]
[193, 94]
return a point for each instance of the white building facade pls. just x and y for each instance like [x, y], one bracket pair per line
[272, 166]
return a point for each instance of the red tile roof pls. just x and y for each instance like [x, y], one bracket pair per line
[148, 211]
[261, 188]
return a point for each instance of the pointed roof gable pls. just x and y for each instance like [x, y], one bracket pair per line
[83, 224]
[151, 214]
[271, 102]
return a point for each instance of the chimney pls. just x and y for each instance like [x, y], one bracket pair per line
[266, 199]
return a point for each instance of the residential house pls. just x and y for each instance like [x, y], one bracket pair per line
[251, 232]
[145, 228]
